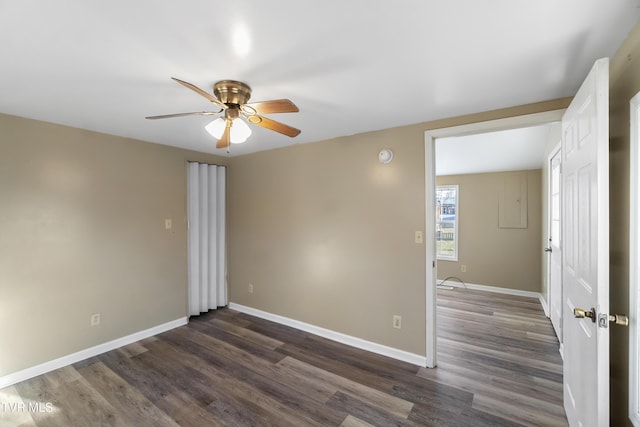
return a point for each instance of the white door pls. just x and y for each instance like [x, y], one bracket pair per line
[585, 228]
[634, 265]
[554, 247]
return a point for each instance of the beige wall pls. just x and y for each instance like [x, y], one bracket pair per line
[81, 232]
[625, 83]
[494, 256]
[325, 233]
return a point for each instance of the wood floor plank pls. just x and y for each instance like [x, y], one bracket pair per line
[548, 338]
[467, 417]
[366, 411]
[298, 385]
[510, 392]
[127, 400]
[499, 372]
[473, 380]
[133, 349]
[518, 413]
[248, 388]
[60, 377]
[352, 421]
[498, 366]
[384, 401]
[185, 412]
[275, 330]
[497, 319]
[523, 357]
[493, 337]
[247, 334]
[151, 383]
[251, 347]
[74, 404]
[331, 360]
[508, 359]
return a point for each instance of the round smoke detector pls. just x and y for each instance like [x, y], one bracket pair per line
[385, 156]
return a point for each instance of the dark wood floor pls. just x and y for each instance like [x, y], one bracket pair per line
[498, 366]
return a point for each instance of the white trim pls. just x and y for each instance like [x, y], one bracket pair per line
[69, 359]
[545, 306]
[552, 154]
[429, 177]
[431, 265]
[496, 289]
[394, 353]
[498, 124]
[634, 255]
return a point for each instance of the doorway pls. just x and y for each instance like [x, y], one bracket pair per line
[430, 184]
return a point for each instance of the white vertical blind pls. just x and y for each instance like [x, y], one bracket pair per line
[222, 235]
[207, 249]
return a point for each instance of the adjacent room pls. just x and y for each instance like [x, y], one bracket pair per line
[221, 213]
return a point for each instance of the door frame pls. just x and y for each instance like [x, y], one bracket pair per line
[554, 152]
[634, 256]
[430, 136]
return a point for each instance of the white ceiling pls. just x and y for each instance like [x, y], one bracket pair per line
[351, 67]
[507, 150]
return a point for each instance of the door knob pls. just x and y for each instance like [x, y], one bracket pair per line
[603, 319]
[619, 319]
[548, 250]
[580, 313]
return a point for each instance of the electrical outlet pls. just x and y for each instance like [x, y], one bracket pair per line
[95, 319]
[463, 268]
[250, 288]
[397, 321]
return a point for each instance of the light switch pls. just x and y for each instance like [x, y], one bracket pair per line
[168, 224]
[418, 236]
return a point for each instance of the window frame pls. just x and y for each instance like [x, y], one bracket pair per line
[456, 239]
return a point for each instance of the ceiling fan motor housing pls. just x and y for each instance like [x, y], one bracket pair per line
[232, 92]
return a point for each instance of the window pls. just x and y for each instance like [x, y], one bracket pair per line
[447, 222]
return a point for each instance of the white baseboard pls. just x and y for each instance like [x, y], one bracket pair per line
[545, 306]
[69, 359]
[495, 289]
[384, 350]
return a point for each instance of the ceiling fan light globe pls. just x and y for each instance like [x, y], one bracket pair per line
[240, 131]
[216, 127]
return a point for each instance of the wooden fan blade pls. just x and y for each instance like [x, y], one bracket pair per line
[270, 107]
[225, 139]
[207, 95]
[197, 113]
[273, 125]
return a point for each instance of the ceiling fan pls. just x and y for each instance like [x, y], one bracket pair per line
[231, 98]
